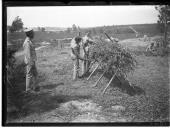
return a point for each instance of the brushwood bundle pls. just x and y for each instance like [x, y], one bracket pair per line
[113, 56]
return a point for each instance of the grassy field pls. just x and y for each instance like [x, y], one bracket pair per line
[148, 103]
[121, 32]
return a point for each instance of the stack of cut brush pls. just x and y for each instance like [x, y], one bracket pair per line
[112, 58]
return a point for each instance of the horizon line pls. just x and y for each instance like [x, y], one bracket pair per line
[93, 26]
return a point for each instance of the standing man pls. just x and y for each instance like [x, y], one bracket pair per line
[87, 41]
[75, 55]
[30, 60]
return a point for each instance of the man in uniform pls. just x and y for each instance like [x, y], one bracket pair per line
[75, 55]
[87, 41]
[30, 60]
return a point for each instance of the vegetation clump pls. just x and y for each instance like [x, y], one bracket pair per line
[157, 49]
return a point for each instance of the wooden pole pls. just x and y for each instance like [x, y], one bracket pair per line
[91, 64]
[99, 78]
[108, 37]
[93, 71]
[165, 33]
[110, 81]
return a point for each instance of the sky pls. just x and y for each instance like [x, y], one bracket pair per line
[83, 16]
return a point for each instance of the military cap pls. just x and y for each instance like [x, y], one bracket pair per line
[78, 38]
[28, 30]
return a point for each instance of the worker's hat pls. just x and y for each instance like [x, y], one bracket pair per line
[78, 38]
[28, 30]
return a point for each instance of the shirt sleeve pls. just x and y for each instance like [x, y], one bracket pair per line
[90, 40]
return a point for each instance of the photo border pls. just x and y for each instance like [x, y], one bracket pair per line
[20, 3]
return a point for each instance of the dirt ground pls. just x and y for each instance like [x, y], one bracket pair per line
[61, 99]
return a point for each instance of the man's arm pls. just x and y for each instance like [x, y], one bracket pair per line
[76, 53]
[90, 41]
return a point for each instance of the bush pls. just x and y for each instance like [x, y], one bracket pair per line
[10, 73]
[15, 78]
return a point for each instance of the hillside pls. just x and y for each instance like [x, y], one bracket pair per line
[52, 28]
[149, 29]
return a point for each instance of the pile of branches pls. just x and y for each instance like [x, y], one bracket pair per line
[113, 56]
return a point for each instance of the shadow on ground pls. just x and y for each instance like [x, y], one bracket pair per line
[120, 83]
[124, 86]
[39, 103]
[51, 86]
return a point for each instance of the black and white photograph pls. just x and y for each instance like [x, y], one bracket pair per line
[87, 64]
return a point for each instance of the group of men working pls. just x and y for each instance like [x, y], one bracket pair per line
[153, 46]
[76, 44]
[30, 59]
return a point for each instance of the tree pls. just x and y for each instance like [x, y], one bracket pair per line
[17, 25]
[39, 28]
[79, 29]
[68, 30]
[164, 19]
[43, 29]
[74, 27]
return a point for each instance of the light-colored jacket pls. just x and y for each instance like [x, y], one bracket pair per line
[29, 52]
[85, 43]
